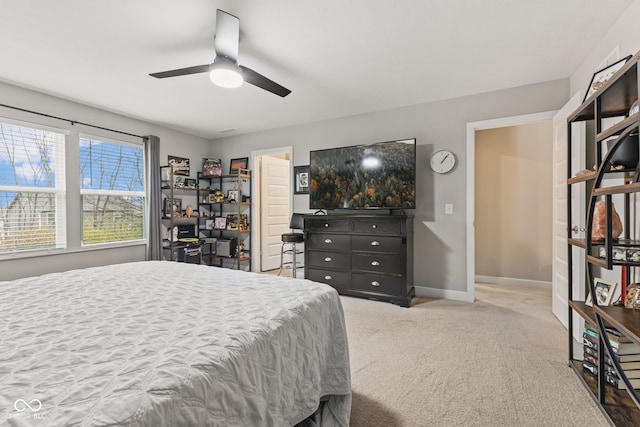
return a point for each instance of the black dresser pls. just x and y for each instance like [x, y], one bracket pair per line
[368, 256]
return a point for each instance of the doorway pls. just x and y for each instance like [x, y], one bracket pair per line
[472, 128]
[272, 205]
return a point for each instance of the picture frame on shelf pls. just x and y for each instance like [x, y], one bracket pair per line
[220, 223]
[232, 222]
[178, 181]
[179, 165]
[604, 290]
[232, 196]
[601, 76]
[208, 224]
[172, 207]
[190, 183]
[211, 167]
[236, 164]
[301, 179]
[632, 297]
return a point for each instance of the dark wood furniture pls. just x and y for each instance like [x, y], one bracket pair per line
[363, 255]
[614, 99]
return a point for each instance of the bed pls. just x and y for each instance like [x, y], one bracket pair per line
[171, 344]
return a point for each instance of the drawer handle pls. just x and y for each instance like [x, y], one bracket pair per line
[328, 241]
[375, 263]
[328, 277]
[375, 243]
[374, 226]
[328, 259]
[326, 225]
[374, 283]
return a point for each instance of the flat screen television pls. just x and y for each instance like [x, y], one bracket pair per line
[375, 176]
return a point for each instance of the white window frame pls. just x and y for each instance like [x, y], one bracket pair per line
[142, 193]
[59, 190]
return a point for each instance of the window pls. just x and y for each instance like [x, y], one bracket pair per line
[112, 188]
[32, 188]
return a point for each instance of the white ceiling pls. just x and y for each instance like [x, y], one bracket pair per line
[339, 57]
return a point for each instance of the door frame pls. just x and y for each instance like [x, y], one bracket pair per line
[472, 127]
[256, 200]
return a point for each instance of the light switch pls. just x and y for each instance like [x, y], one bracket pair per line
[448, 208]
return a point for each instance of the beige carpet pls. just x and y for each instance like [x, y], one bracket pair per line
[501, 361]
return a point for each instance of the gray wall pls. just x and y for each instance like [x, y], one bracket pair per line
[513, 186]
[440, 240]
[171, 142]
[623, 36]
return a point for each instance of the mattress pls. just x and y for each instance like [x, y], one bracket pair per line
[171, 344]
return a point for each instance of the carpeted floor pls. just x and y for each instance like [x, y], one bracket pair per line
[501, 361]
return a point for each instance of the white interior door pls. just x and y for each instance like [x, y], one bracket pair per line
[275, 191]
[560, 223]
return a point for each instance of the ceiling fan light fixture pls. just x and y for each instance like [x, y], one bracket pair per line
[226, 74]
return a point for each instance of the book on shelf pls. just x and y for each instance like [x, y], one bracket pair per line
[621, 348]
[624, 358]
[591, 351]
[612, 334]
[590, 359]
[630, 373]
[618, 383]
[624, 364]
[616, 335]
[590, 367]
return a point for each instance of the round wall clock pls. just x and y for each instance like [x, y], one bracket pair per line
[443, 161]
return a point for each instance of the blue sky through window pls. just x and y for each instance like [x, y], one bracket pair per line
[110, 166]
[27, 158]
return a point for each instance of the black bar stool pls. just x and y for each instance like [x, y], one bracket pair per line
[293, 238]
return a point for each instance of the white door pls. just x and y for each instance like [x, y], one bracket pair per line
[560, 224]
[275, 191]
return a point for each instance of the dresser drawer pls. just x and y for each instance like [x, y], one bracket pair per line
[327, 224]
[337, 279]
[329, 260]
[373, 243]
[387, 285]
[377, 225]
[336, 242]
[377, 263]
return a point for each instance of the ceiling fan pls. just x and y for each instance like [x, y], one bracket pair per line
[225, 70]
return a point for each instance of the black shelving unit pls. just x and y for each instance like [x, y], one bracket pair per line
[171, 246]
[614, 99]
[229, 246]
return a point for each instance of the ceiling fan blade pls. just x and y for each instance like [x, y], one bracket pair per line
[182, 71]
[227, 35]
[262, 82]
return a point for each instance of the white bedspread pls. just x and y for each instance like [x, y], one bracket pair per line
[171, 344]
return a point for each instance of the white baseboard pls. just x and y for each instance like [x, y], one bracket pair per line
[425, 292]
[508, 281]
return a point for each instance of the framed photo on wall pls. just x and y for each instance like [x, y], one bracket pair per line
[211, 167]
[180, 165]
[236, 164]
[301, 179]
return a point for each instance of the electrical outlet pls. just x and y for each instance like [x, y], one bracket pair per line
[448, 208]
